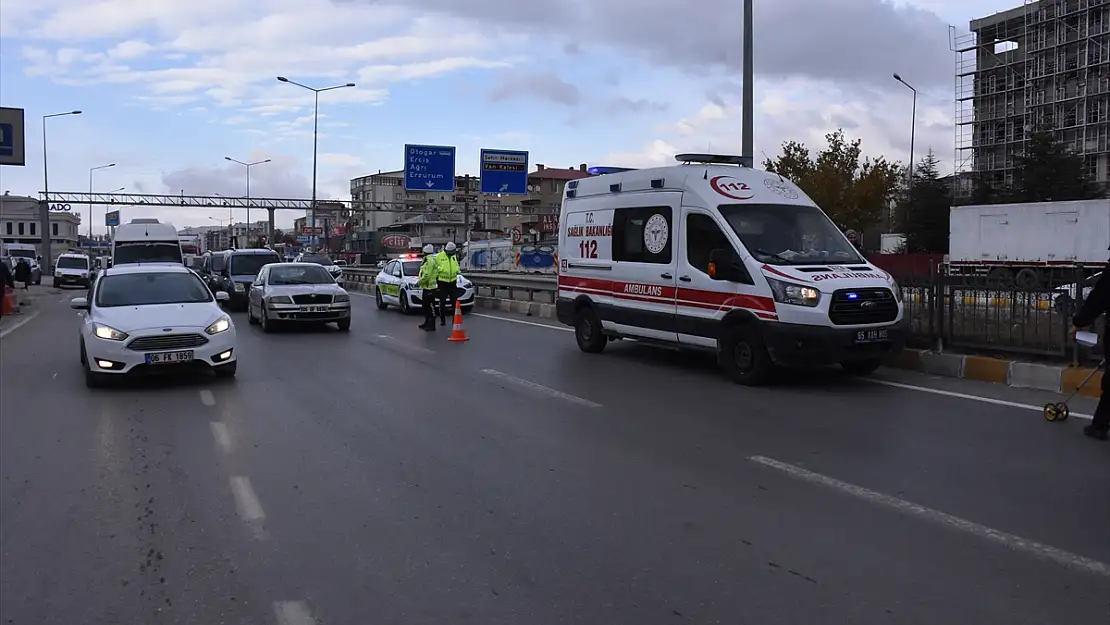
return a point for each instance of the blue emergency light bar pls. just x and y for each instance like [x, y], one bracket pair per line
[601, 171]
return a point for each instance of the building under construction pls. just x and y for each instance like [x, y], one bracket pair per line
[1044, 65]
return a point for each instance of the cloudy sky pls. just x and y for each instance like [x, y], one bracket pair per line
[169, 88]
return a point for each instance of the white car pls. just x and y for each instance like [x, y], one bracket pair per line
[157, 318]
[285, 293]
[72, 269]
[395, 285]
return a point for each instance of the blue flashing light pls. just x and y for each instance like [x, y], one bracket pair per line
[601, 171]
[853, 296]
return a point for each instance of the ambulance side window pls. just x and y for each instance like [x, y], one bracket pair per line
[631, 237]
[703, 235]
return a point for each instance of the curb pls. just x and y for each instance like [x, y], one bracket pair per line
[1055, 378]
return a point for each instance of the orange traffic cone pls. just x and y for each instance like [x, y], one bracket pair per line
[8, 305]
[457, 332]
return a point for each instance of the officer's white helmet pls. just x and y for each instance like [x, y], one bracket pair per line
[450, 247]
[428, 249]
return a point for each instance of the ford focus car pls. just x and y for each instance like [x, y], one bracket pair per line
[297, 293]
[396, 286]
[159, 318]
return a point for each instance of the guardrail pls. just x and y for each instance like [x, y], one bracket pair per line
[504, 285]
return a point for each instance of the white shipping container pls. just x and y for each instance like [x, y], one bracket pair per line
[1030, 235]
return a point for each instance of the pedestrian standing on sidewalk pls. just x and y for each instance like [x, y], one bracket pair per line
[1097, 305]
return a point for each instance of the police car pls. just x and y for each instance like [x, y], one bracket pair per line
[396, 286]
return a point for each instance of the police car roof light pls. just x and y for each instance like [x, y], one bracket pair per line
[716, 159]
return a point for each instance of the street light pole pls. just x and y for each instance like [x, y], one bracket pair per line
[748, 114]
[913, 128]
[91, 170]
[44, 208]
[248, 166]
[310, 217]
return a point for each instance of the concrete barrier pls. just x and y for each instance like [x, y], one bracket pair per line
[1055, 378]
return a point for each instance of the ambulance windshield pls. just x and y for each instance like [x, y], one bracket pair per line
[785, 234]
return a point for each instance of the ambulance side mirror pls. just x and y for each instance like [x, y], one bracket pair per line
[725, 266]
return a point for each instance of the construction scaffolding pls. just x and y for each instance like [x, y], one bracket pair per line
[1044, 65]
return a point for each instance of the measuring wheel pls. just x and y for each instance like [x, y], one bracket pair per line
[1050, 413]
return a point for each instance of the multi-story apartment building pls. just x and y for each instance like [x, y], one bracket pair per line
[1042, 65]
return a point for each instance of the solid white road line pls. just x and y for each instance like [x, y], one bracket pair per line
[293, 613]
[246, 502]
[1017, 543]
[985, 400]
[207, 398]
[523, 322]
[539, 388]
[27, 317]
[222, 436]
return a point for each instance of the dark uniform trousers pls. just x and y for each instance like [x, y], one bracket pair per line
[446, 293]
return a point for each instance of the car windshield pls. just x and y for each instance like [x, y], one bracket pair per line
[146, 252]
[22, 253]
[72, 262]
[786, 234]
[411, 268]
[250, 264]
[299, 274]
[144, 289]
[217, 262]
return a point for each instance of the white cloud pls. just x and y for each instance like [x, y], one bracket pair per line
[130, 49]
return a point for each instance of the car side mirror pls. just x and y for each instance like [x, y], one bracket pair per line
[723, 265]
[79, 303]
[222, 296]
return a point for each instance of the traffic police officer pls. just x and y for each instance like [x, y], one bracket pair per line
[447, 272]
[426, 280]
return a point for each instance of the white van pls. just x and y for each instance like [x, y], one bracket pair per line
[716, 255]
[12, 253]
[72, 269]
[146, 241]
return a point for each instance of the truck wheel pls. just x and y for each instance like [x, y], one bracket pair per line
[1028, 279]
[743, 357]
[861, 367]
[587, 332]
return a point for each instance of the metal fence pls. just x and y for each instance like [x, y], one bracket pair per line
[967, 313]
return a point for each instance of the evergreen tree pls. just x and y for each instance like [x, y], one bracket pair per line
[1051, 172]
[928, 205]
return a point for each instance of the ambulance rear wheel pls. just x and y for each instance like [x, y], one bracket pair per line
[743, 356]
[587, 332]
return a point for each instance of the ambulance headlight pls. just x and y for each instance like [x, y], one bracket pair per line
[795, 294]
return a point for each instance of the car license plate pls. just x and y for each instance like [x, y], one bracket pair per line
[169, 358]
[872, 336]
[316, 309]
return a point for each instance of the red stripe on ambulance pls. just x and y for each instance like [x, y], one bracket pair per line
[764, 307]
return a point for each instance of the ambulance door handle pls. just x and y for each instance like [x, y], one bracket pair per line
[666, 276]
[684, 278]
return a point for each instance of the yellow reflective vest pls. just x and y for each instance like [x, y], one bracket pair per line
[427, 277]
[447, 267]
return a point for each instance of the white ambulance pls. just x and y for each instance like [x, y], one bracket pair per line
[714, 254]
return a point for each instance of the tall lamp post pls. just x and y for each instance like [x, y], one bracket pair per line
[913, 126]
[310, 218]
[91, 170]
[44, 210]
[247, 166]
[747, 119]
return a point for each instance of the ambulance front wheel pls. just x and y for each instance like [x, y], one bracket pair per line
[587, 331]
[743, 356]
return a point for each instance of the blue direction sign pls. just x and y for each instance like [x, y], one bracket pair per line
[504, 171]
[429, 168]
[111, 218]
[12, 150]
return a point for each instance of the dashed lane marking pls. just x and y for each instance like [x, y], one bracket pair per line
[207, 398]
[293, 613]
[248, 506]
[1017, 543]
[539, 388]
[27, 317]
[222, 436]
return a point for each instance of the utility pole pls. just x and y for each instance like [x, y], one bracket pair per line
[748, 114]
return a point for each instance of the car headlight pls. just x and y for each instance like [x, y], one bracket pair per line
[897, 291]
[108, 333]
[239, 288]
[223, 324]
[795, 294]
[279, 299]
[341, 297]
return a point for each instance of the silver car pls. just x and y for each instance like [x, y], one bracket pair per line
[297, 293]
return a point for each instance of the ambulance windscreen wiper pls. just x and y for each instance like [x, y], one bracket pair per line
[773, 256]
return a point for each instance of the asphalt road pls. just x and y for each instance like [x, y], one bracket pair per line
[387, 476]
